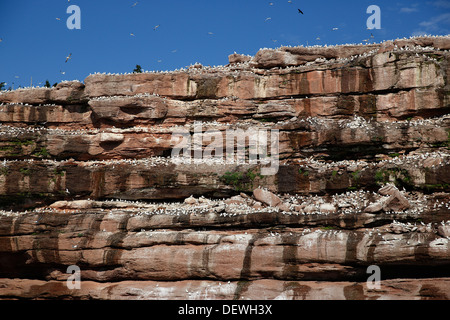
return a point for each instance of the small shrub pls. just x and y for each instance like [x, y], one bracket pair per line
[25, 171]
[400, 177]
[59, 172]
[4, 171]
[379, 176]
[304, 173]
[394, 155]
[42, 153]
[240, 181]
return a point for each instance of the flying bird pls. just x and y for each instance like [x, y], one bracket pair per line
[58, 18]
[1, 39]
[62, 72]
[334, 29]
[156, 27]
[267, 19]
[134, 4]
[371, 35]
[300, 11]
[69, 57]
[132, 34]
[289, 1]
[210, 33]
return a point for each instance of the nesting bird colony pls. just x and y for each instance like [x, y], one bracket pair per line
[88, 178]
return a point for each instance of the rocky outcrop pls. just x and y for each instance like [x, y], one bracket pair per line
[402, 289]
[156, 178]
[395, 202]
[335, 140]
[89, 178]
[295, 56]
[158, 244]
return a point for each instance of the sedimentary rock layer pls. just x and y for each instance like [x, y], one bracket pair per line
[398, 289]
[89, 178]
[165, 178]
[353, 138]
[192, 243]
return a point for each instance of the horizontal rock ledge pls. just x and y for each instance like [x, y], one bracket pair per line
[164, 178]
[376, 72]
[293, 56]
[385, 74]
[148, 110]
[303, 211]
[296, 254]
[395, 289]
[354, 138]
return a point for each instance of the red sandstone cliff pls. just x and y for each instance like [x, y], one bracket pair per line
[86, 179]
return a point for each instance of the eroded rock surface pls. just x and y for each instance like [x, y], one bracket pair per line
[88, 177]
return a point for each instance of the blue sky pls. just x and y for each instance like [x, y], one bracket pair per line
[35, 43]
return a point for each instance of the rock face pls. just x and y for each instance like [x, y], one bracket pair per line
[396, 202]
[266, 197]
[91, 177]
